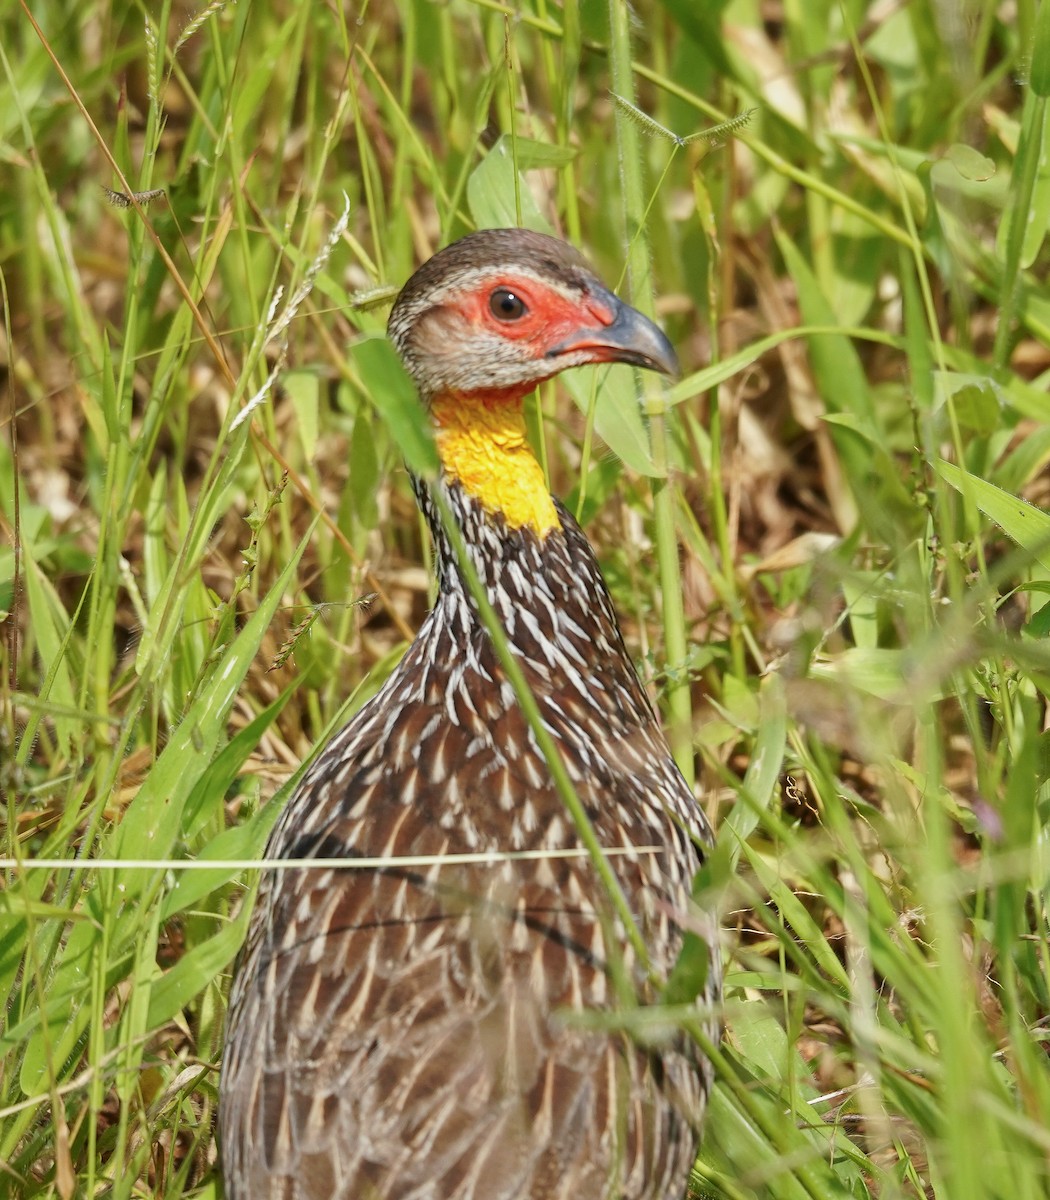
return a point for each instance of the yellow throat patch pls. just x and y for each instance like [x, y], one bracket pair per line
[482, 445]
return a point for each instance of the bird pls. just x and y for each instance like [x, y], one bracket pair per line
[446, 1021]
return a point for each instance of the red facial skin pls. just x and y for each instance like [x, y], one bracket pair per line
[549, 320]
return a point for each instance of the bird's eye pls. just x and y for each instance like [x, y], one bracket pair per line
[506, 305]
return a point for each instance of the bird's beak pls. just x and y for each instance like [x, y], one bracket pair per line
[620, 333]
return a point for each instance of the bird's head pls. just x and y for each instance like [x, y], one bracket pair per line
[479, 326]
[501, 310]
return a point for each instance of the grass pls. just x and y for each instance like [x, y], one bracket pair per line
[845, 491]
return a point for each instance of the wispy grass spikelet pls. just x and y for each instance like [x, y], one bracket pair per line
[196, 22]
[152, 60]
[714, 135]
[259, 396]
[315, 268]
[718, 133]
[644, 121]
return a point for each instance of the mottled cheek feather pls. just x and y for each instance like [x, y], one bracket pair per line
[482, 444]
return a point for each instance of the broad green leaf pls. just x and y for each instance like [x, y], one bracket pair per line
[218, 778]
[764, 1045]
[239, 843]
[495, 189]
[248, 98]
[618, 418]
[1023, 397]
[763, 771]
[688, 977]
[394, 395]
[977, 408]
[859, 590]
[739, 703]
[970, 163]
[1038, 628]
[532, 154]
[194, 971]
[976, 399]
[767, 756]
[878, 671]
[1027, 525]
[65, 1004]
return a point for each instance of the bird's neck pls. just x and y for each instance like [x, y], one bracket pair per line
[533, 561]
[482, 444]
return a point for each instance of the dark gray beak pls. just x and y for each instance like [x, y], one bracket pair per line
[629, 338]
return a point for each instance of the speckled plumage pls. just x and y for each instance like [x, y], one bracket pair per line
[398, 1034]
